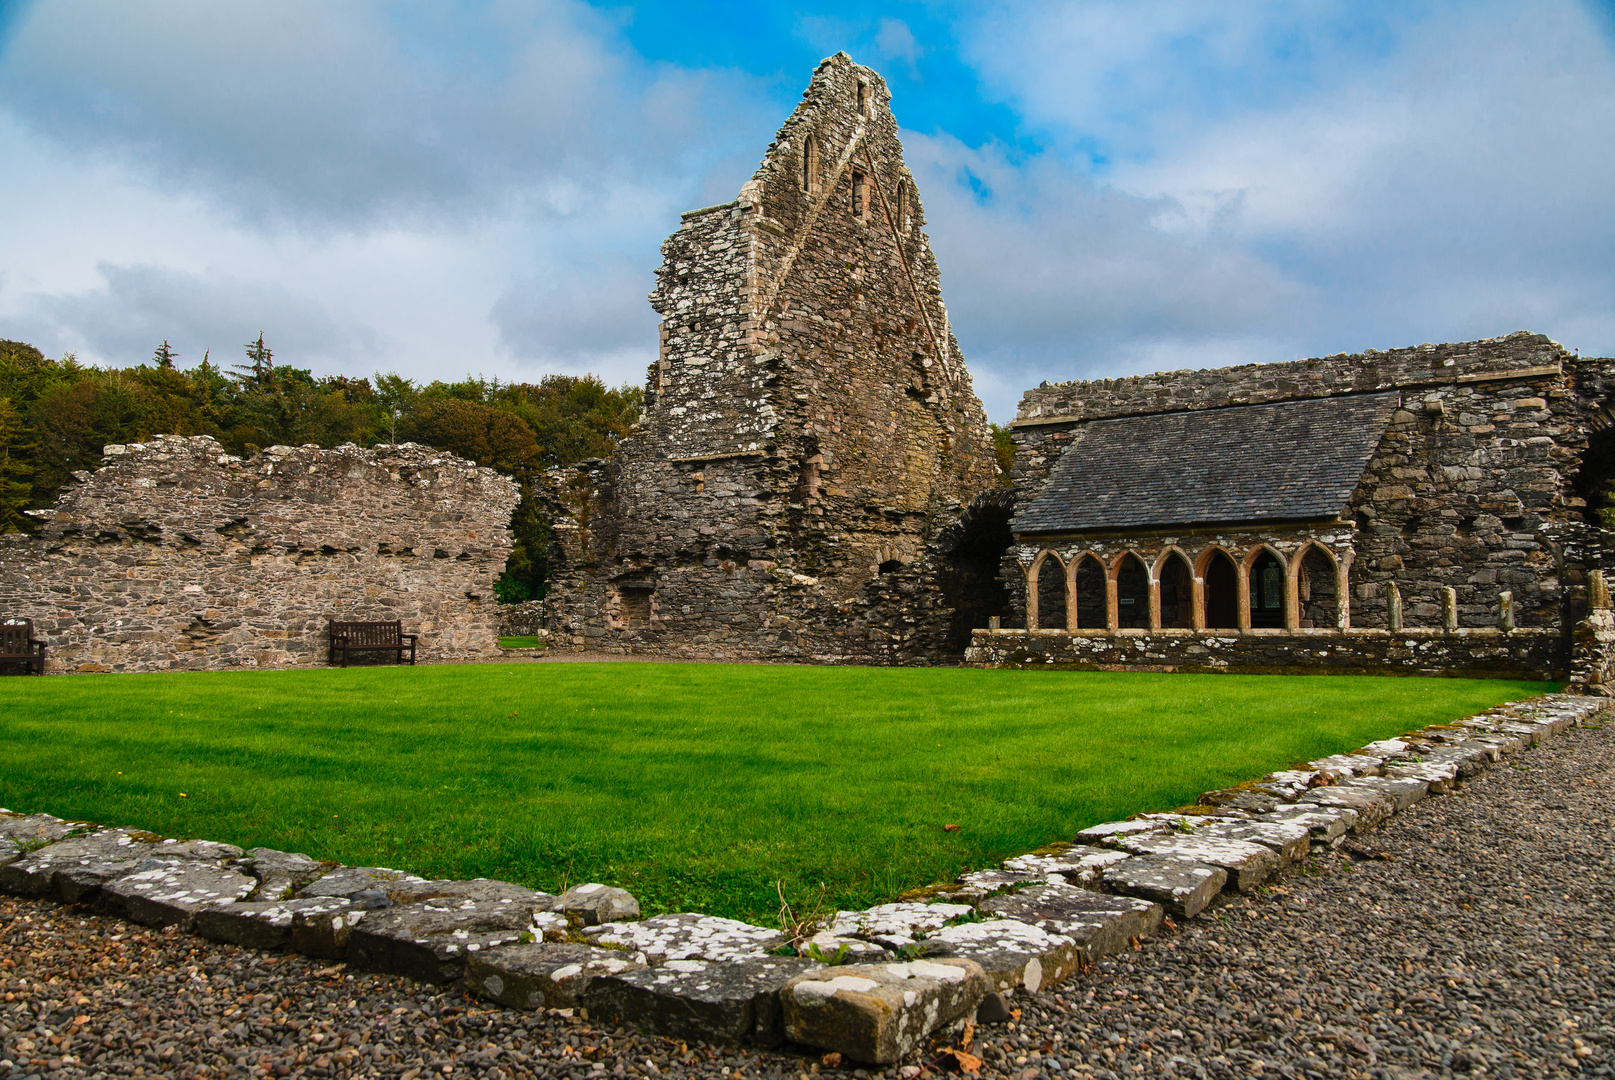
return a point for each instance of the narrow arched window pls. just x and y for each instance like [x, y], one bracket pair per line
[860, 196]
[902, 206]
[810, 165]
[863, 99]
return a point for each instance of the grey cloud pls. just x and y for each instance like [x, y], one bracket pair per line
[303, 111]
[140, 306]
[595, 317]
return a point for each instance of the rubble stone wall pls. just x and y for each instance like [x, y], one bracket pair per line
[177, 556]
[810, 424]
[1482, 654]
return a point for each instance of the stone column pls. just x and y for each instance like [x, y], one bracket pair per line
[1505, 611]
[1031, 595]
[1154, 581]
[1242, 589]
[1597, 591]
[1393, 606]
[1197, 603]
[1449, 608]
[1071, 596]
[1343, 592]
[1292, 593]
[1113, 620]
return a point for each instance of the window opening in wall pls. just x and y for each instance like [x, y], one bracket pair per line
[1222, 593]
[810, 165]
[1315, 585]
[863, 99]
[890, 566]
[902, 206]
[1132, 595]
[1267, 592]
[635, 606]
[1090, 579]
[1051, 595]
[860, 196]
[1177, 593]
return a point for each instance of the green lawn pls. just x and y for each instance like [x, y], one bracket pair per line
[695, 786]
[520, 641]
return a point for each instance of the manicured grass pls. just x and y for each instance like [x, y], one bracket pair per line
[520, 641]
[695, 786]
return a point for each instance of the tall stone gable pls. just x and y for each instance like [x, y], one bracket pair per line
[810, 427]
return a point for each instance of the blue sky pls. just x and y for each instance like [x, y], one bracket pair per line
[1111, 187]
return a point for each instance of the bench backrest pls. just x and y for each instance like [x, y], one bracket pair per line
[15, 635]
[359, 634]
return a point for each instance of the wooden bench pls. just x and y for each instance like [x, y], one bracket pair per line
[19, 646]
[352, 637]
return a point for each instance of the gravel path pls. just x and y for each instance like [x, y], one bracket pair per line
[1480, 947]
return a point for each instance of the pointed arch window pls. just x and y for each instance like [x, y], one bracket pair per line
[810, 165]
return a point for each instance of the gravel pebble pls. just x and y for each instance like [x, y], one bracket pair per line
[1480, 947]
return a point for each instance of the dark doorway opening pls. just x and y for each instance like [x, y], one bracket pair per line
[1051, 595]
[1317, 591]
[1267, 592]
[1222, 593]
[1090, 581]
[1132, 594]
[971, 572]
[1177, 593]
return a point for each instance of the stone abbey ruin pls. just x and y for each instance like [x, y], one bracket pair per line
[813, 480]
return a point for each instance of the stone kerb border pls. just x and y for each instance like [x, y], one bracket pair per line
[871, 985]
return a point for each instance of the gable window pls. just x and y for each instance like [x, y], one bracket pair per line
[860, 196]
[863, 99]
[902, 206]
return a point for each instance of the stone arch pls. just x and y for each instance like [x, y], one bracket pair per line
[1174, 589]
[1219, 576]
[1317, 587]
[1045, 592]
[1266, 595]
[1133, 584]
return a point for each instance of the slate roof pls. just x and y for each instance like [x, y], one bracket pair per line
[1294, 460]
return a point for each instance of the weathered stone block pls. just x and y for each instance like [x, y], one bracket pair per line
[429, 939]
[344, 881]
[1183, 888]
[730, 1001]
[542, 975]
[170, 895]
[599, 904]
[281, 873]
[1011, 952]
[267, 924]
[897, 926]
[688, 936]
[1402, 793]
[1097, 923]
[1371, 807]
[1249, 865]
[73, 870]
[879, 1013]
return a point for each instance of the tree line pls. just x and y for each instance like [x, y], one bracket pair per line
[56, 415]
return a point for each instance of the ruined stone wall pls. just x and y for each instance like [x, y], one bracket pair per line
[1470, 488]
[810, 424]
[177, 556]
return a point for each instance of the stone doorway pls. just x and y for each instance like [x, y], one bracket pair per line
[971, 568]
[1132, 594]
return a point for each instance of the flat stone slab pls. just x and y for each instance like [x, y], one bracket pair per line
[1440, 776]
[1097, 923]
[598, 904]
[73, 870]
[1342, 766]
[260, 924]
[879, 1013]
[479, 889]
[1326, 824]
[897, 926]
[1107, 833]
[1012, 953]
[1079, 866]
[689, 936]
[543, 975]
[171, 894]
[10, 852]
[323, 932]
[979, 884]
[1288, 840]
[34, 830]
[281, 873]
[1183, 888]
[429, 940]
[1372, 807]
[733, 1001]
[1402, 793]
[830, 947]
[344, 881]
[1248, 865]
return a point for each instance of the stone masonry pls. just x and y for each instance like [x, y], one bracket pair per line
[1465, 524]
[810, 434]
[177, 556]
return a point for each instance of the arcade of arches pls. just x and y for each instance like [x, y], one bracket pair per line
[1266, 585]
